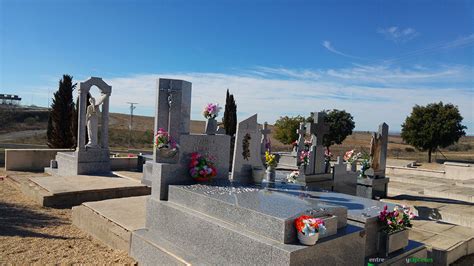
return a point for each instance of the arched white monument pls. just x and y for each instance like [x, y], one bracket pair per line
[90, 115]
[92, 157]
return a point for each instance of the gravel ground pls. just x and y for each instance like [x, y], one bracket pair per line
[30, 234]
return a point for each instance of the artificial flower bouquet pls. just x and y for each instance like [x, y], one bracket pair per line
[327, 155]
[396, 220]
[164, 140]
[351, 157]
[165, 144]
[304, 157]
[270, 160]
[309, 228]
[201, 168]
[211, 110]
[291, 177]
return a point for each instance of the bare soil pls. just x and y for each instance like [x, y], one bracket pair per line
[32, 234]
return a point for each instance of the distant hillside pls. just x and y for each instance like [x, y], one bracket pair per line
[142, 136]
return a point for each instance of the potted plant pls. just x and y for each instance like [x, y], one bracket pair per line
[308, 229]
[165, 144]
[201, 168]
[271, 162]
[394, 233]
[210, 112]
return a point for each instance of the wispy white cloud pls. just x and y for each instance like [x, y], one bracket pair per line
[397, 34]
[328, 45]
[373, 94]
[463, 41]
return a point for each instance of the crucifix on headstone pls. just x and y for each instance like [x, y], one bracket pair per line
[172, 109]
[265, 142]
[317, 130]
[169, 92]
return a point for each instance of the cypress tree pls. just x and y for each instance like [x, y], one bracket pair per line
[230, 115]
[60, 123]
[75, 118]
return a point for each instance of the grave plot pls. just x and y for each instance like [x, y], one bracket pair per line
[84, 175]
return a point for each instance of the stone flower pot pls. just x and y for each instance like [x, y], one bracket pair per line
[308, 240]
[202, 179]
[258, 174]
[167, 152]
[391, 242]
[211, 126]
[271, 173]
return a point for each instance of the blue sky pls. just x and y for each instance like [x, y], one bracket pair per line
[375, 59]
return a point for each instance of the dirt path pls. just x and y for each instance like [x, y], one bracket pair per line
[30, 234]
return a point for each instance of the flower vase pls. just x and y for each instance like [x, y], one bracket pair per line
[391, 242]
[327, 165]
[271, 172]
[167, 152]
[258, 175]
[308, 240]
[353, 167]
[211, 126]
[202, 179]
[302, 171]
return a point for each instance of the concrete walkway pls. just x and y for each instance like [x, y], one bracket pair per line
[445, 210]
[58, 191]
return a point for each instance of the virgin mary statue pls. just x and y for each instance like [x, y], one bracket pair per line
[92, 117]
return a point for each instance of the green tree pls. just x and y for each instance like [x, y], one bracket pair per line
[285, 128]
[341, 124]
[230, 115]
[432, 126]
[76, 119]
[60, 123]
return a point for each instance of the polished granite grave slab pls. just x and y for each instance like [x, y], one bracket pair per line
[358, 209]
[361, 212]
[270, 213]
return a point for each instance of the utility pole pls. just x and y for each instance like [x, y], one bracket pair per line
[130, 125]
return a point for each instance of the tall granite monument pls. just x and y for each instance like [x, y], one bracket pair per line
[247, 151]
[173, 112]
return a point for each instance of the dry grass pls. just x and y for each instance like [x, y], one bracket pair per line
[143, 126]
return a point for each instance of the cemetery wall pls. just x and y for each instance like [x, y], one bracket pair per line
[396, 170]
[37, 159]
[123, 163]
[29, 159]
[460, 171]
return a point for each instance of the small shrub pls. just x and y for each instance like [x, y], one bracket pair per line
[409, 149]
[30, 120]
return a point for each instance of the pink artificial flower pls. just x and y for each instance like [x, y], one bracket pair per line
[348, 155]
